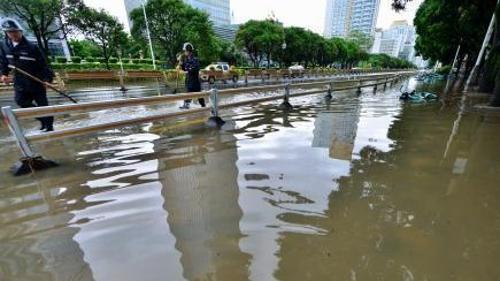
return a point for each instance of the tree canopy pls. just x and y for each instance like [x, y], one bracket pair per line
[101, 28]
[45, 18]
[261, 39]
[172, 23]
[443, 25]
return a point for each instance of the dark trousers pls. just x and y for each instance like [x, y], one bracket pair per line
[25, 99]
[200, 100]
[193, 89]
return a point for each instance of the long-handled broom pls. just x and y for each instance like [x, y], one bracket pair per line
[17, 69]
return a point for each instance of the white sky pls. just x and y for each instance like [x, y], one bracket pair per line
[304, 13]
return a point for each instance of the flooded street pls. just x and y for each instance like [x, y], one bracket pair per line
[364, 187]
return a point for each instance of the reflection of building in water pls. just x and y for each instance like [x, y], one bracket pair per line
[40, 247]
[336, 131]
[201, 198]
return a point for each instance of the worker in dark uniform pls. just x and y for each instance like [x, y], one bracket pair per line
[190, 64]
[17, 51]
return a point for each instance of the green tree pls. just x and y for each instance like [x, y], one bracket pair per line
[101, 28]
[341, 46]
[385, 61]
[84, 48]
[363, 40]
[442, 25]
[228, 52]
[172, 23]
[296, 40]
[45, 18]
[261, 39]
[313, 48]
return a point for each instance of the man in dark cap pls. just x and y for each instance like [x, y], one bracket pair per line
[19, 52]
[190, 64]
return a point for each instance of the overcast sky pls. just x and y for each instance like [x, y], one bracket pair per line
[305, 13]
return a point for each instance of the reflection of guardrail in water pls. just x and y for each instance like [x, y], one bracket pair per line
[12, 116]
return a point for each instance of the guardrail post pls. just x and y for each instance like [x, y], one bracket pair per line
[246, 78]
[385, 83]
[214, 120]
[121, 77]
[30, 160]
[376, 86]
[286, 99]
[358, 91]
[329, 92]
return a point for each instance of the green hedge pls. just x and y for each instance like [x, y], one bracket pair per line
[99, 66]
[76, 59]
[61, 59]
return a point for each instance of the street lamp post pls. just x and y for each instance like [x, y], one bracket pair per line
[283, 47]
[122, 72]
[148, 34]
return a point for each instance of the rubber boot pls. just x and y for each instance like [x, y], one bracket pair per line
[186, 105]
[202, 102]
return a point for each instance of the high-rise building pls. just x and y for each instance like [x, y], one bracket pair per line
[219, 12]
[344, 16]
[398, 41]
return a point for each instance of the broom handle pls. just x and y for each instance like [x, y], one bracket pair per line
[41, 82]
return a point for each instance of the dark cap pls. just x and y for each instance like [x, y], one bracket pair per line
[9, 24]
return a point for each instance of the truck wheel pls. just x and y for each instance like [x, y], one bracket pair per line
[211, 80]
[235, 79]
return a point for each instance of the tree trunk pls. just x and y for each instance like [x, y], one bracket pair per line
[42, 45]
[45, 48]
[495, 101]
[489, 80]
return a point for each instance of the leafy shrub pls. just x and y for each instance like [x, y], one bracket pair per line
[76, 59]
[61, 59]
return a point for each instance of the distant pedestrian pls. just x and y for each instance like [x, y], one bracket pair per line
[19, 52]
[190, 64]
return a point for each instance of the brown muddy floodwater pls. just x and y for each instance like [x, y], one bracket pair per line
[362, 188]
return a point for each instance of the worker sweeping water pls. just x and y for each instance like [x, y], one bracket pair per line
[17, 52]
[189, 63]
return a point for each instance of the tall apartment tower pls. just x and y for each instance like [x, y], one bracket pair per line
[344, 16]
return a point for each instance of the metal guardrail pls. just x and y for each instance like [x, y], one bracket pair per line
[33, 112]
[12, 116]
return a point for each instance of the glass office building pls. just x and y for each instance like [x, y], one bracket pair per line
[344, 16]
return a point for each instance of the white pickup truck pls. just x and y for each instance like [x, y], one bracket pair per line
[218, 71]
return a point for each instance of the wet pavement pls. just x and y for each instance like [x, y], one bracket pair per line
[363, 187]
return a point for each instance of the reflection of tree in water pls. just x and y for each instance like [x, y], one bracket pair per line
[407, 214]
[268, 119]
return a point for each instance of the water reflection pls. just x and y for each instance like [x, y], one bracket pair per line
[356, 189]
[201, 197]
[36, 237]
[404, 214]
